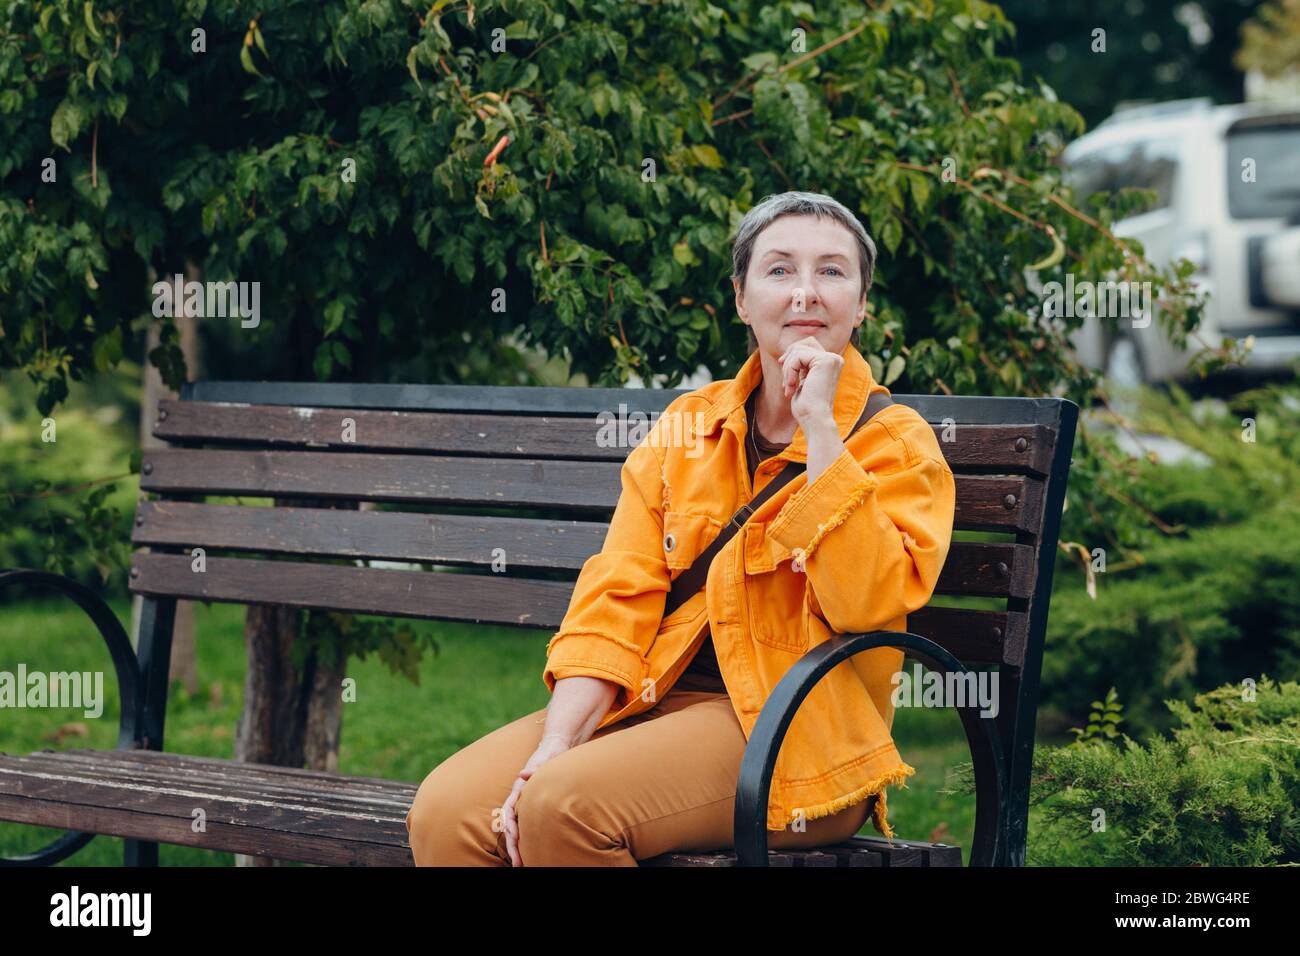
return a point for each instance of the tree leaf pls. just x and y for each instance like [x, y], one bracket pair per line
[66, 123]
[246, 61]
[89, 13]
[334, 314]
[108, 350]
[410, 65]
[891, 234]
[1052, 258]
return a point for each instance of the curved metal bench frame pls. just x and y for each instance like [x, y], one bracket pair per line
[125, 663]
[755, 782]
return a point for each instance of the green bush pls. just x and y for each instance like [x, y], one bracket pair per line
[1210, 608]
[1209, 601]
[1221, 791]
[59, 509]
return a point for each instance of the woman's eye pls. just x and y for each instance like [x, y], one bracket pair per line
[836, 269]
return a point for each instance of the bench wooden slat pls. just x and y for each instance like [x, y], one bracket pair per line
[911, 852]
[155, 758]
[976, 635]
[585, 486]
[338, 793]
[992, 569]
[123, 803]
[443, 433]
[997, 449]
[567, 400]
[987, 448]
[478, 598]
[478, 399]
[332, 791]
[859, 851]
[1006, 503]
[528, 543]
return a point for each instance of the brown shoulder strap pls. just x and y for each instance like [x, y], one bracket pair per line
[693, 578]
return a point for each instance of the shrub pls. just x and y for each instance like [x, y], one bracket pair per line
[1221, 791]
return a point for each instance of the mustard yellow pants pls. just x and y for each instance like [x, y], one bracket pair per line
[661, 781]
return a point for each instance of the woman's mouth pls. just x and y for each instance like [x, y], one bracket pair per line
[807, 325]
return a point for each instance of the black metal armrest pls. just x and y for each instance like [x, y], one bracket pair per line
[755, 783]
[128, 682]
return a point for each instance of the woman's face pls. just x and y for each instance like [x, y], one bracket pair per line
[803, 280]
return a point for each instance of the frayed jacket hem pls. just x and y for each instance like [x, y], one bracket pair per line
[873, 788]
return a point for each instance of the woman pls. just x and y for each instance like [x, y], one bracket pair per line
[639, 750]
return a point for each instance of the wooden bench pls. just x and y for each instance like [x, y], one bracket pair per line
[520, 468]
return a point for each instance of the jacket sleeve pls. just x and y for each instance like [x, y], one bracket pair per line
[619, 598]
[873, 534]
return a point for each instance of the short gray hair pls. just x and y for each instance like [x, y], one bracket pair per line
[798, 204]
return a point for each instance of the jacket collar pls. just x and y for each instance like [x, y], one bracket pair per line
[855, 384]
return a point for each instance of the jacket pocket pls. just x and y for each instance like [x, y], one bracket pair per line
[686, 536]
[774, 595]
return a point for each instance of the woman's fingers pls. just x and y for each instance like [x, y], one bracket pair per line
[506, 824]
[512, 838]
[790, 373]
[793, 374]
[512, 847]
[805, 360]
[510, 821]
[794, 361]
[510, 824]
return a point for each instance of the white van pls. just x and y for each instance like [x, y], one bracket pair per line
[1244, 236]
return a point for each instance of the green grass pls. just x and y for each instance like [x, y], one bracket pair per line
[480, 679]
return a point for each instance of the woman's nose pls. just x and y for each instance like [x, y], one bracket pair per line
[803, 295]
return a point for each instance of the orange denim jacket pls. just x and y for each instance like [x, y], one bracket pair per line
[873, 531]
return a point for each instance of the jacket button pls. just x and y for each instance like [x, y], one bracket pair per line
[670, 541]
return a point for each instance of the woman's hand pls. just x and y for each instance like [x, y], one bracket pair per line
[552, 745]
[810, 374]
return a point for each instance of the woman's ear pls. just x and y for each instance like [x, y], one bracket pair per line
[740, 298]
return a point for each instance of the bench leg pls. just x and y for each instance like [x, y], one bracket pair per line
[140, 853]
[157, 616]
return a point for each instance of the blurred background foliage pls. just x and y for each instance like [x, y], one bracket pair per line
[1214, 597]
[597, 237]
[1156, 49]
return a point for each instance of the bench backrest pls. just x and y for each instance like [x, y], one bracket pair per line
[475, 469]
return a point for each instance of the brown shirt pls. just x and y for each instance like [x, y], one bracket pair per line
[702, 673]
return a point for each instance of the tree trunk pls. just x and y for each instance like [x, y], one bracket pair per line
[291, 717]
